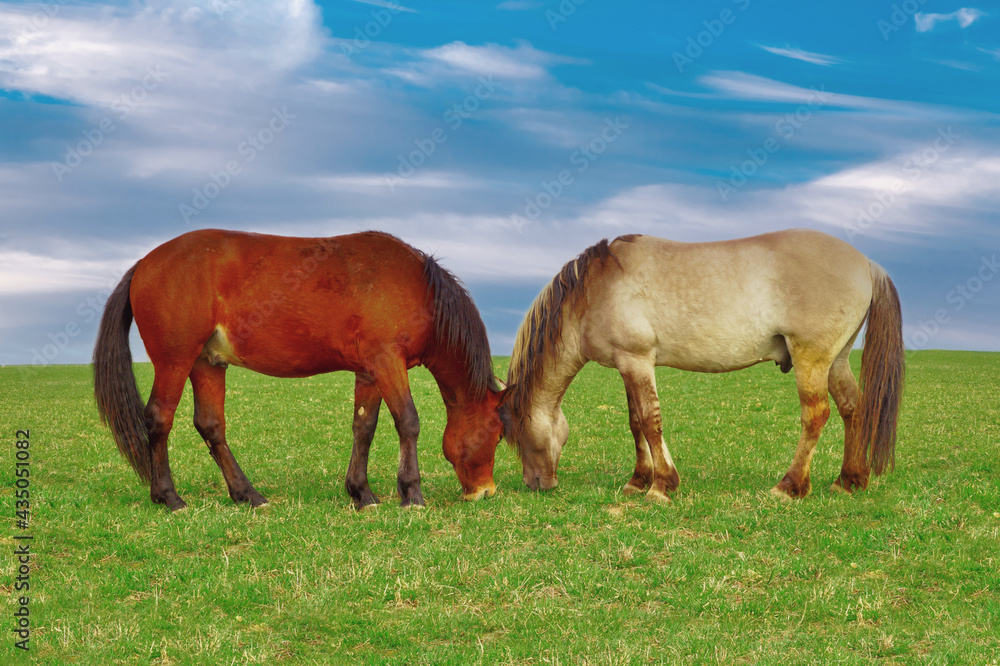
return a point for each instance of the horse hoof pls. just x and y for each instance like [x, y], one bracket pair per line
[253, 498]
[848, 483]
[781, 494]
[174, 503]
[413, 505]
[633, 489]
[657, 496]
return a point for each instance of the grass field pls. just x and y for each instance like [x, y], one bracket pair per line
[905, 572]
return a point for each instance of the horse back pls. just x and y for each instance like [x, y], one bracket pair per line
[723, 305]
[283, 306]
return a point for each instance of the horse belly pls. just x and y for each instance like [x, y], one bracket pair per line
[720, 355]
[277, 354]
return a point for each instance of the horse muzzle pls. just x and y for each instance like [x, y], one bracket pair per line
[488, 490]
[541, 483]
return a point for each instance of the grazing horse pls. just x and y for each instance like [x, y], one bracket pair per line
[296, 307]
[797, 297]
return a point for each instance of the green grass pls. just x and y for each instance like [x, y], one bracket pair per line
[905, 572]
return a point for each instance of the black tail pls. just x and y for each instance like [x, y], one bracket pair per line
[459, 325]
[115, 388]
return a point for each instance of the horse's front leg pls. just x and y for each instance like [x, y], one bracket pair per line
[640, 383]
[394, 385]
[643, 474]
[367, 402]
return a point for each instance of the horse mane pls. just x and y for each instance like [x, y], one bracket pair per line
[540, 333]
[458, 325]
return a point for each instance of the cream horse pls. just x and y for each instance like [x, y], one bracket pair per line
[796, 297]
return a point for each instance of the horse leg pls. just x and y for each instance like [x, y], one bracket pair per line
[367, 402]
[208, 382]
[643, 474]
[640, 383]
[168, 386]
[394, 385]
[847, 395]
[811, 379]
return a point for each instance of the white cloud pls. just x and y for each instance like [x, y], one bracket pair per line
[568, 129]
[148, 161]
[95, 55]
[507, 257]
[965, 17]
[740, 85]
[520, 64]
[904, 197]
[388, 4]
[386, 183]
[958, 64]
[332, 87]
[519, 5]
[805, 56]
[23, 272]
[179, 82]
[505, 63]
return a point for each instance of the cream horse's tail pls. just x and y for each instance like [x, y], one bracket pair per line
[882, 370]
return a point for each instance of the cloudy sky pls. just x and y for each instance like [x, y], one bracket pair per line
[502, 137]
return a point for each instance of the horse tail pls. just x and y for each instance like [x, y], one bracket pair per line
[115, 388]
[459, 326]
[882, 370]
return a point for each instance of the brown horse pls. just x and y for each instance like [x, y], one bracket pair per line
[798, 298]
[295, 307]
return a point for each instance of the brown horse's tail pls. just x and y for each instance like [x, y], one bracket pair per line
[882, 369]
[115, 388]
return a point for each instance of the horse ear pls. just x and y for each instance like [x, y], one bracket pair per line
[504, 394]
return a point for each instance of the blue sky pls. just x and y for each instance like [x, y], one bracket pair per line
[503, 137]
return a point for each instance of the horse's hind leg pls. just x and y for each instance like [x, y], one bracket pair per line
[640, 383]
[643, 474]
[168, 386]
[367, 401]
[811, 379]
[208, 383]
[847, 395]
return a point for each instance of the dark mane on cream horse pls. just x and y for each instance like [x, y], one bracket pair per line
[539, 335]
[798, 298]
[296, 307]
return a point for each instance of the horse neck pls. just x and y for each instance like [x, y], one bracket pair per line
[451, 372]
[559, 367]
